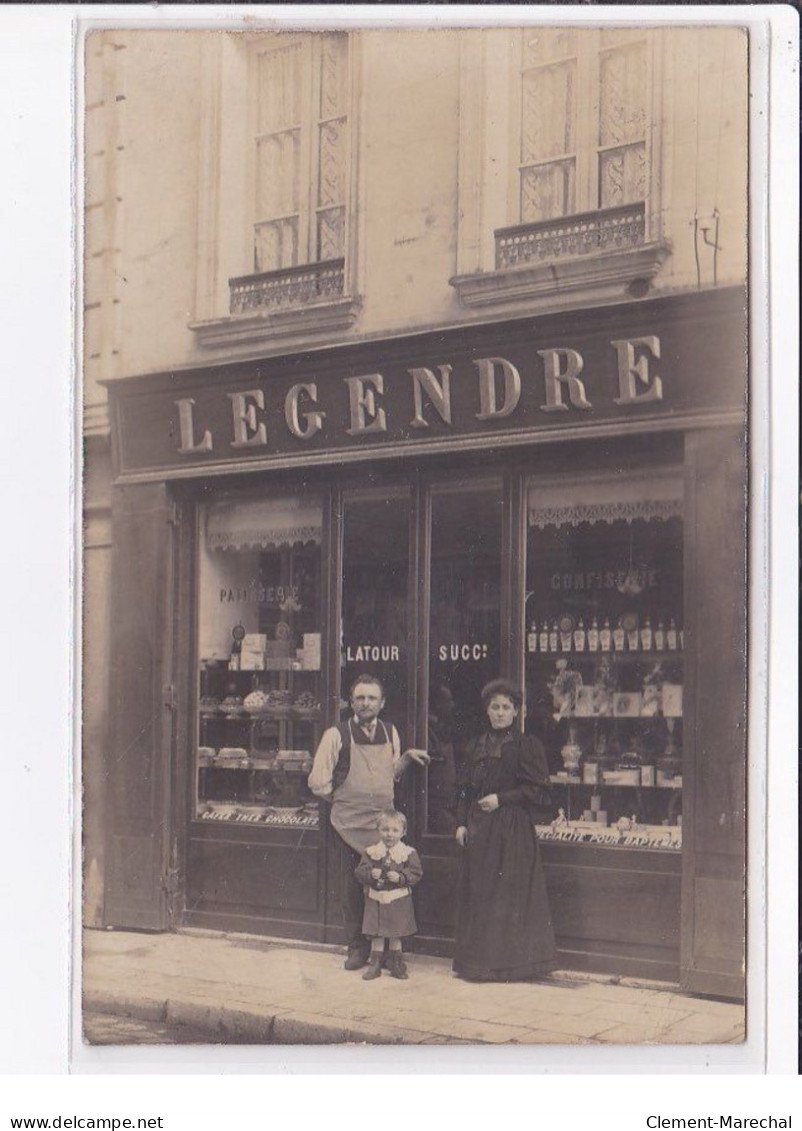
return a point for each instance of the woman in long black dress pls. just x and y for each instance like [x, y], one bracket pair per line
[504, 928]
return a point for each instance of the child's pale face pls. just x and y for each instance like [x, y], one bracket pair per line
[390, 832]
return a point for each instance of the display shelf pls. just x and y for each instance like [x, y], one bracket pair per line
[622, 657]
[557, 780]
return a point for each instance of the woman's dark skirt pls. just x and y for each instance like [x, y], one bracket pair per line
[504, 928]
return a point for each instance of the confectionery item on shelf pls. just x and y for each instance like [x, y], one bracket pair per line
[232, 757]
[206, 755]
[279, 702]
[294, 760]
[306, 704]
[672, 700]
[232, 705]
[564, 686]
[585, 702]
[255, 703]
[627, 704]
[621, 777]
[209, 705]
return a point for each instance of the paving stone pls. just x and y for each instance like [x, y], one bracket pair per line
[570, 1024]
[649, 1017]
[710, 1031]
[624, 994]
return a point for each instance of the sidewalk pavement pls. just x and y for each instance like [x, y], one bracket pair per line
[249, 990]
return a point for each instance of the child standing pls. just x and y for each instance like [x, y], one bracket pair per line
[388, 869]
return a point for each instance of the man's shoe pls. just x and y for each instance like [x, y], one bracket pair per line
[357, 958]
[374, 970]
[398, 968]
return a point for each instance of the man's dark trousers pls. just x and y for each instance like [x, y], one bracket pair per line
[352, 896]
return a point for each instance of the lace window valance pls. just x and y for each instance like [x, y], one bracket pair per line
[608, 500]
[266, 525]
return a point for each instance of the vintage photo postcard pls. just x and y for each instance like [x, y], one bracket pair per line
[415, 378]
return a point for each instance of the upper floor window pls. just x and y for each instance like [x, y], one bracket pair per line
[583, 121]
[560, 196]
[277, 242]
[300, 149]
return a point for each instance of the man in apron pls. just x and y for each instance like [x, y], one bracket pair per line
[356, 767]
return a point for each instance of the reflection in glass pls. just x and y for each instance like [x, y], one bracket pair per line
[464, 632]
[375, 597]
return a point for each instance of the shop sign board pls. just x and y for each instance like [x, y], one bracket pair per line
[660, 363]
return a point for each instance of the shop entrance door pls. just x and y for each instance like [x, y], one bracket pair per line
[421, 610]
[376, 628]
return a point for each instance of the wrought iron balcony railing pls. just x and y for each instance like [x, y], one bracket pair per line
[287, 287]
[584, 233]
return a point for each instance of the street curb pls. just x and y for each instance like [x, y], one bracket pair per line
[140, 1008]
[223, 1026]
[240, 1026]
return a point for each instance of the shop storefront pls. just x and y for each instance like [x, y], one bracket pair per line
[558, 499]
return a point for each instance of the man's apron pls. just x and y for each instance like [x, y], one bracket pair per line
[368, 788]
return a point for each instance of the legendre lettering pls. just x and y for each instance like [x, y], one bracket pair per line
[495, 394]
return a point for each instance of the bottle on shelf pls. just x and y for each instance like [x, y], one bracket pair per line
[543, 636]
[235, 659]
[531, 639]
[593, 636]
[554, 637]
[660, 636]
[633, 638]
[619, 637]
[671, 636]
[566, 639]
[579, 636]
[646, 635]
[606, 636]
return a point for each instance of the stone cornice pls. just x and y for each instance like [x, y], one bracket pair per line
[582, 278]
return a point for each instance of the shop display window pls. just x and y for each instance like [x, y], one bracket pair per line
[464, 631]
[604, 649]
[259, 648]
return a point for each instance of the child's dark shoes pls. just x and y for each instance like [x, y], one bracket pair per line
[398, 968]
[374, 970]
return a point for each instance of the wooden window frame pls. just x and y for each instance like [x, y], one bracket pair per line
[588, 150]
[310, 46]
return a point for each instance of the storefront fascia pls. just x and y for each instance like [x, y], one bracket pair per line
[543, 432]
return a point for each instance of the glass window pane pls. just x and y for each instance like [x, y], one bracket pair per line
[548, 112]
[277, 175]
[375, 597]
[544, 44]
[279, 93]
[465, 627]
[548, 191]
[276, 244]
[622, 176]
[333, 74]
[331, 234]
[604, 660]
[259, 647]
[622, 107]
[331, 181]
